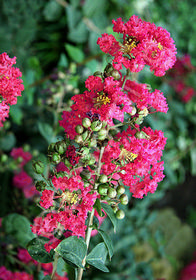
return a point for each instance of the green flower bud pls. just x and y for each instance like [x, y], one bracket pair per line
[115, 74]
[38, 167]
[4, 158]
[85, 135]
[102, 189]
[85, 174]
[78, 139]
[86, 122]
[141, 135]
[40, 186]
[79, 129]
[134, 111]
[124, 200]
[85, 151]
[102, 134]
[103, 178]
[92, 143]
[120, 189]
[51, 147]
[96, 125]
[61, 174]
[91, 161]
[111, 193]
[120, 214]
[56, 158]
[26, 148]
[60, 147]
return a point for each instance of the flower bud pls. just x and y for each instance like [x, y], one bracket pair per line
[96, 125]
[38, 167]
[79, 129]
[60, 147]
[115, 74]
[78, 139]
[56, 158]
[111, 193]
[102, 134]
[120, 214]
[4, 158]
[102, 189]
[120, 189]
[134, 111]
[124, 200]
[91, 160]
[61, 174]
[51, 147]
[85, 151]
[92, 143]
[103, 178]
[140, 135]
[85, 174]
[40, 186]
[85, 135]
[86, 122]
[115, 208]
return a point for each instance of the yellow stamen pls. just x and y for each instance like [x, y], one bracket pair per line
[101, 99]
[129, 156]
[160, 47]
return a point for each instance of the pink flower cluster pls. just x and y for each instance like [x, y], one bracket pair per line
[189, 272]
[67, 206]
[143, 44]
[179, 74]
[21, 179]
[10, 85]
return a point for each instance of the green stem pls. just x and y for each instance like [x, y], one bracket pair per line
[127, 75]
[56, 257]
[90, 220]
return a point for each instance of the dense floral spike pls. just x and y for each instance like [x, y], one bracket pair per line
[143, 44]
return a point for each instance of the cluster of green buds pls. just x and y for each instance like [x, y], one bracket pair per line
[56, 151]
[90, 132]
[114, 195]
[109, 71]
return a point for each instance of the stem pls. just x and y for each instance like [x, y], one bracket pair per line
[90, 220]
[56, 257]
[125, 78]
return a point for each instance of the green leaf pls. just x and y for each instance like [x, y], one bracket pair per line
[52, 10]
[108, 242]
[97, 257]
[97, 206]
[16, 114]
[78, 34]
[110, 214]
[74, 53]
[73, 250]
[90, 8]
[37, 250]
[46, 131]
[7, 142]
[193, 161]
[18, 226]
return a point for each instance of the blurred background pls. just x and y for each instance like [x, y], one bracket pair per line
[55, 45]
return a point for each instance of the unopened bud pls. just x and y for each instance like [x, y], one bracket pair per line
[96, 125]
[85, 174]
[92, 143]
[115, 208]
[67, 163]
[86, 122]
[111, 193]
[60, 147]
[140, 135]
[38, 167]
[4, 158]
[78, 139]
[79, 129]
[102, 189]
[134, 111]
[115, 74]
[102, 134]
[120, 189]
[85, 135]
[120, 214]
[91, 161]
[56, 158]
[124, 199]
[51, 147]
[85, 151]
[103, 178]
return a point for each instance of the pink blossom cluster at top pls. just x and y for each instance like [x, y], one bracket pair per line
[179, 74]
[143, 44]
[21, 179]
[10, 85]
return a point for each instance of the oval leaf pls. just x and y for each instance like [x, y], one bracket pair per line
[108, 242]
[97, 257]
[37, 250]
[110, 214]
[73, 250]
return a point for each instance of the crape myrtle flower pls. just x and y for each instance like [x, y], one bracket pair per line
[4, 112]
[68, 206]
[142, 44]
[103, 98]
[137, 160]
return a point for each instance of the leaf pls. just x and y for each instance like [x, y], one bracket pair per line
[97, 257]
[52, 10]
[74, 53]
[46, 131]
[7, 142]
[97, 206]
[110, 214]
[73, 250]
[79, 34]
[108, 242]
[37, 250]
[16, 114]
[18, 226]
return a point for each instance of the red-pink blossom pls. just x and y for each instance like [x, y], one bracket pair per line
[4, 112]
[20, 153]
